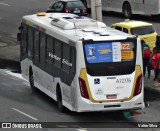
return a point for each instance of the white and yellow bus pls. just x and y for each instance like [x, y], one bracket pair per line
[129, 7]
[81, 63]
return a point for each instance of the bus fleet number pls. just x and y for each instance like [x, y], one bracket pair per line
[123, 80]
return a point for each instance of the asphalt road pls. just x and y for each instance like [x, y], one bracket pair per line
[19, 104]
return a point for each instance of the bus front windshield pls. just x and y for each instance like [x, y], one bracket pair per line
[110, 58]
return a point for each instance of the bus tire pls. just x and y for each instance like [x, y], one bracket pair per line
[127, 11]
[61, 108]
[31, 80]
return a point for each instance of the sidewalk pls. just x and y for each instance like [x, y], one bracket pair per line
[148, 83]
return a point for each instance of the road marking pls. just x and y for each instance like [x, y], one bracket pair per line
[4, 4]
[25, 114]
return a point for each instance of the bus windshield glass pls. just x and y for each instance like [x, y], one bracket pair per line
[143, 30]
[110, 58]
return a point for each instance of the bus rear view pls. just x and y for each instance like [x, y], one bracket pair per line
[81, 63]
[112, 78]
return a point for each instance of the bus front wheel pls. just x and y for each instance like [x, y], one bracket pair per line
[127, 11]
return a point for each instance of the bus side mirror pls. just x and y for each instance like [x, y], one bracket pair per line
[19, 36]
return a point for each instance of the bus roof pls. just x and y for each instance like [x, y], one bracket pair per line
[72, 27]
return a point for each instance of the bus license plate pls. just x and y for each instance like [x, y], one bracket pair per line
[111, 96]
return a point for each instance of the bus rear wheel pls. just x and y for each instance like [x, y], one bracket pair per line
[31, 80]
[59, 100]
[127, 11]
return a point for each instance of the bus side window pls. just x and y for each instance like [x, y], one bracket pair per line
[125, 30]
[49, 50]
[66, 61]
[24, 41]
[36, 46]
[30, 42]
[42, 48]
[58, 52]
[73, 60]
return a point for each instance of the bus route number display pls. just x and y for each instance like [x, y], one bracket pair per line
[125, 46]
